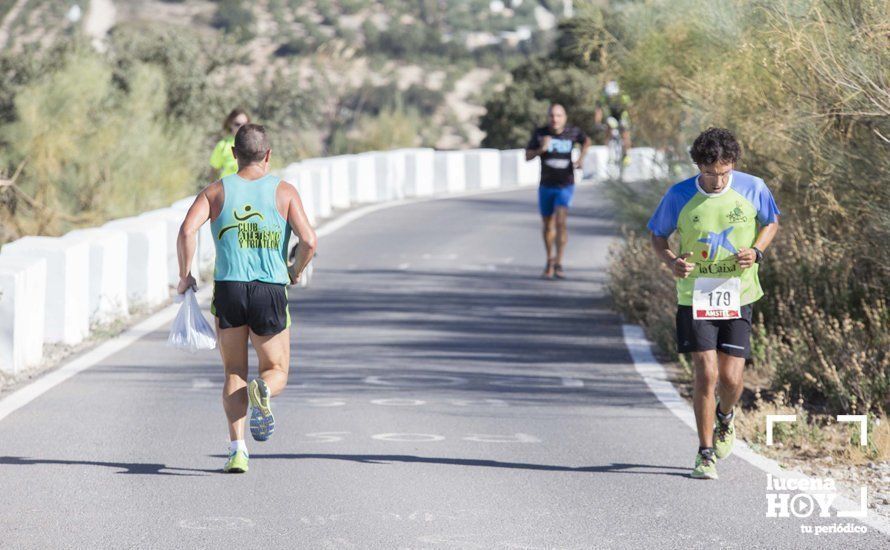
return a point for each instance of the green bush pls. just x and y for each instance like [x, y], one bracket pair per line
[234, 17]
[390, 129]
[511, 115]
[190, 64]
[91, 149]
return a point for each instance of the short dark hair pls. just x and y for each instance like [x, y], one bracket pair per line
[251, 143]
[715, 145]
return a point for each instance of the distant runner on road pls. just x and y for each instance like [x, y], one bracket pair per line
[554, 144]
[251, 214]
[222, 161]
[725, 220]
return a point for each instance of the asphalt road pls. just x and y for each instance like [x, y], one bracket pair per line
[441, 396]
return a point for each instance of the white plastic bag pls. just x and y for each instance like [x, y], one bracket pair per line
[190, 331]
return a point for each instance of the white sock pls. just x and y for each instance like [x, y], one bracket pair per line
[237, 445]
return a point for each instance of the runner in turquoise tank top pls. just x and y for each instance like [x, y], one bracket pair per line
[725, 220]
[250, 234]
[252, 214]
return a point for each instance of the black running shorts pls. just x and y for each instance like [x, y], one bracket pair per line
[731, 336]
[261, 306]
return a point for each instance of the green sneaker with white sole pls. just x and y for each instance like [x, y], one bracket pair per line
[705, 465]
[724, 438]
[237, 463]
[262, 422]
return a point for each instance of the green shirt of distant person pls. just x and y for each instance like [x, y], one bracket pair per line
[222, 158]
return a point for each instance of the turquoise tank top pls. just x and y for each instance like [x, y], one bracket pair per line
[250, 234]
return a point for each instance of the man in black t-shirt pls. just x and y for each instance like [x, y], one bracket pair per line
[554, 144]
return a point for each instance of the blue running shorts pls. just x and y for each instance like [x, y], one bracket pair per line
[551, 197]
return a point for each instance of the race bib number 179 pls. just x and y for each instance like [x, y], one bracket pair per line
[714, 298]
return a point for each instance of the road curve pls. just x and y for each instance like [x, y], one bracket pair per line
[442, 396]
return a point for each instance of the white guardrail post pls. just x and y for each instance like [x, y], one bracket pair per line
[483, 167]
[146, 259]
[22, 311]
[107, 272]
[419, 168]
[450, 174]
[362, 179]
[66, 302]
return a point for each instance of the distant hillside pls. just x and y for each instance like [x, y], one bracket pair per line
[436, 59]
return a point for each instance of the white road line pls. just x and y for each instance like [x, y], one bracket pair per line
[656, 378]
[572, 382]
[32, 391]
[38, 387]
[202, 384]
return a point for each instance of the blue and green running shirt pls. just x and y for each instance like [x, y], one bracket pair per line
[714, 227]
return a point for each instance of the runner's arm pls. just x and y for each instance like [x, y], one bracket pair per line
[585, 145]
[536, 146]
[187, 241]
[299, 222]
[677, 264]
[746, 256]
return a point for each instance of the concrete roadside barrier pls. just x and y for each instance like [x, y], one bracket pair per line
[512, 164]
[419, 166]
[389, 173]
[147, 280]
[596, 162]
[320, 173]
[107, 272]
[646, 163]
[66, 299]
[300, 177]
[172, 220]
[530, 171]
[340, 182]
[22, 311]
[449, 173]
[338, 179]
[362, 179]
[483, 168]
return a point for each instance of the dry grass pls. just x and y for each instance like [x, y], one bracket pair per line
[812, 436]
[803, 83]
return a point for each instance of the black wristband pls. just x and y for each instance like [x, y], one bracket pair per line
[759, 254]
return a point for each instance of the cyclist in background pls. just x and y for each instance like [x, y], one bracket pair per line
[611, 114]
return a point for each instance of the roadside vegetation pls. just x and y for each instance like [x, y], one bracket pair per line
[92, 133]
[803, 84]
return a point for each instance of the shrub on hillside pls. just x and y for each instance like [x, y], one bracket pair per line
[91, 149]
[234, 17]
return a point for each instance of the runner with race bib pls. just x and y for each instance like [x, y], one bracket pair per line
[725, 220]
[554, 143]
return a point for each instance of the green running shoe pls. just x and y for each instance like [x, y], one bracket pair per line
[724, 437]
[237, 463]
[705, 465]
[262, 423]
